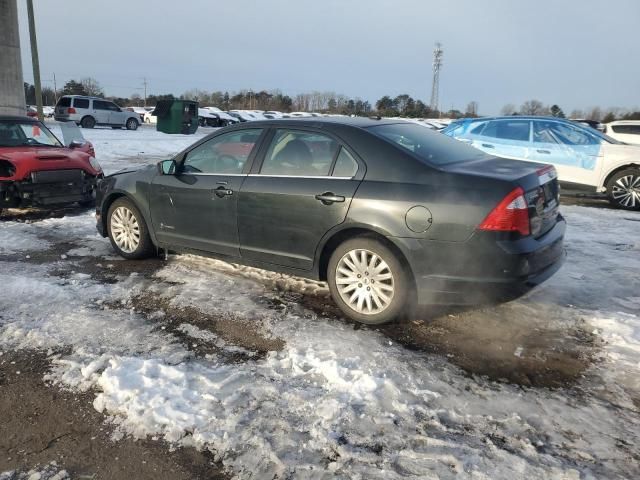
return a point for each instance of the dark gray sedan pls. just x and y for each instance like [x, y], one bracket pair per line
[389, 213]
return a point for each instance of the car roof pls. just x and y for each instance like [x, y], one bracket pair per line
[18, 118]
[83, 96]
[517, 117]
[624, 122]
[361, 122]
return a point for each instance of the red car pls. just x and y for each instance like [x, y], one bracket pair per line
[36, 169]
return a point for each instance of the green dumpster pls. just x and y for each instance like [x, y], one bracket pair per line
[177, 116]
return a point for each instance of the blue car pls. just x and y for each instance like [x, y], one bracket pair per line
[584, 158]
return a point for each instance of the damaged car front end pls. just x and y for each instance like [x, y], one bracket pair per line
[36, 169]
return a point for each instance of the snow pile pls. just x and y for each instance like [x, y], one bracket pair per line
[48, 472]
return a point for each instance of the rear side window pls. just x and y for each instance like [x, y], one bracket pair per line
[628, 129]
[64, 102]
[431, 147]
[517, 130]
[346, 166]
[81, 102]
[298, 153]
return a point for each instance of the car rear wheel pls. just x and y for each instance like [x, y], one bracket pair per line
[367, 281]
[132, 124]
[623, 189]
[128, 231]
[88, 122]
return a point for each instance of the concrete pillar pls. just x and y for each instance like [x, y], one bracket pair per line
[12, 100]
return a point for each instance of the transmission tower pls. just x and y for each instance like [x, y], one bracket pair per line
[437, 64]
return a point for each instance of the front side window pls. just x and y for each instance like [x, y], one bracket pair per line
[514, 130]
[100, 105]
[298, 153]
[225, 154]
[570, 135]
[113, 107]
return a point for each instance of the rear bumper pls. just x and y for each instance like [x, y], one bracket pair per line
[488, 267]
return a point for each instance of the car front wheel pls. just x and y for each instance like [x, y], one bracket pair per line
[623, 189]
[128, 231]
[368, 282]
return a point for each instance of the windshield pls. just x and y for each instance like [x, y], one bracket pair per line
[431, 147]
[20, 134]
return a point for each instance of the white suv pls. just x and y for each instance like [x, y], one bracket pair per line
[584, 158]
[89, 112]
[627, 131]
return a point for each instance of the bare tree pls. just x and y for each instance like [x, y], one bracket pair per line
[472, 109]
[92, 87]
[532, 107]
[595, 114]
[509, 109]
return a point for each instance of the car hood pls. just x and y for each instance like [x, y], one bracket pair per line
[133, 169]
[33, 159]
[27, 154]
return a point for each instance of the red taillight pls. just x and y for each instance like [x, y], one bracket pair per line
[71, 110]
[511, 215]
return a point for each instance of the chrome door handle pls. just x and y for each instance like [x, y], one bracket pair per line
[329, 197]
[546, 152]
[222, 192]
[487, 145]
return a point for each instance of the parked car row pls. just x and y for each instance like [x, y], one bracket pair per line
[585, 158]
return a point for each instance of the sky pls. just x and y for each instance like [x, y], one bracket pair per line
[574, 53]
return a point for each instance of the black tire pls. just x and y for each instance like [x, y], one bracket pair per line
[401, 299]
[145, 248]
[623, 189]
[88, 122]
[132, 124]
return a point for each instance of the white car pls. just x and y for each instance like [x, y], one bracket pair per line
[627, 131]
[584, 158]
[149, 117]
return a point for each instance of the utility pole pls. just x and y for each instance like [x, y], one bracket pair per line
[145, 90]
[11, 82]
[55, 88]
[34, 58]
[435, 86]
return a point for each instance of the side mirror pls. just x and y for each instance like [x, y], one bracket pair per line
[167, 167]
[76, 144]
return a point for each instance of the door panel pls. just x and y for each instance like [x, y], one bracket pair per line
[197, 207]
[575, 153]
[280, 220]
[197, 211]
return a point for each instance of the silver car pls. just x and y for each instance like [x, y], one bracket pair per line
[89, 112]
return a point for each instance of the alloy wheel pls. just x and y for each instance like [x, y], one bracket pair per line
[125, 229]
[626, 191]
[365, 282]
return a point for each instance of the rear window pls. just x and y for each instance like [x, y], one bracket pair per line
[81, 102]
[64, 102]
[431, 147]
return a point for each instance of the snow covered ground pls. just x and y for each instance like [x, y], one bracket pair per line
[163, 346]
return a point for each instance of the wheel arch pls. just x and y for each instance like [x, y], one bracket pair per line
[610, 175]
[115, 195]
[335, 239]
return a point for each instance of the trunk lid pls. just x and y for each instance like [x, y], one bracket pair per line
[539, 182]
